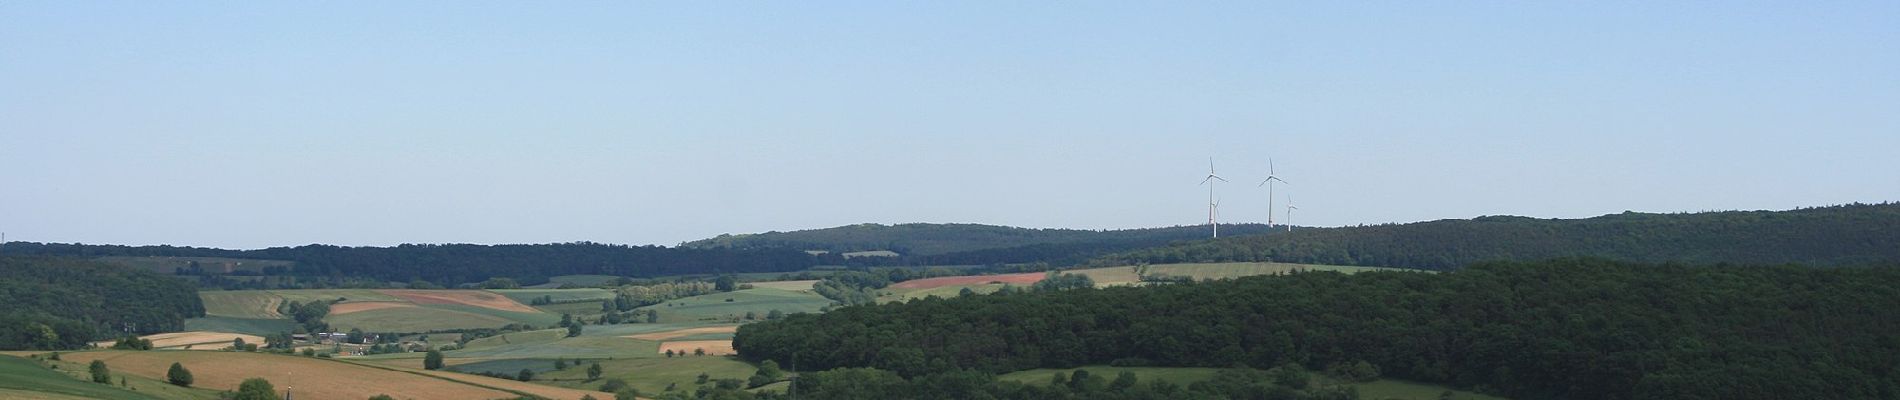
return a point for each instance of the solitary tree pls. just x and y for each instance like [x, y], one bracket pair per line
[525, 375]
[178, 375]
[100, 373]
[560, 364]
[433, 360]
[256, 389]
[593, 371]
[574, 330]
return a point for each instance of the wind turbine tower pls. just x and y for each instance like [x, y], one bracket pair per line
[1269, 184]
[1212, 205]
[1289, 212]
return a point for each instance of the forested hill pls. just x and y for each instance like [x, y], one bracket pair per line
[61, 303]
[1856, 234]
[450, 264]
[948, 239]
[1563, 329]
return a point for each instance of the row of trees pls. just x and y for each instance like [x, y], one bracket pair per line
[452, 264]
[1856, 234]
[1573, 328]
[61, 303]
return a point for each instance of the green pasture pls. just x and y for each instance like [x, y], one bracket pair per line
[735, 304]
[28, 379]
[254, 326]
[528, 296]
[651, 375]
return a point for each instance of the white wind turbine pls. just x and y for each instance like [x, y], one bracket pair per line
[1289, 212]
[1212, 205]
[1269, 184]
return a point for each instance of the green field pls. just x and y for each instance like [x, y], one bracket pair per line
[413, 319]
[651, 375]
[24, 378]
[254, 311]
[1380, 389]
[758, 300]
[252, 326]
[528, 296]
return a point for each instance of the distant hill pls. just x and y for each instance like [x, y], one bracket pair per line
[1856, 234]
[946, 239]
[443, 264]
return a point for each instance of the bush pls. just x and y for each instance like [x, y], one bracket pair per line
[613, 385]
[178, 375]
[100, 373]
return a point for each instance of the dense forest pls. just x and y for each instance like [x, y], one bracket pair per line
[971, 240]
[1569, 328]
[1858, 234]
[450, 264]
[63, 303]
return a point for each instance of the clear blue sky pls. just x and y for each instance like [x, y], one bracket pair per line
[257, 124]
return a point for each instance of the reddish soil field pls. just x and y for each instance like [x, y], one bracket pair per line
[660, 336]
[1013, 279]
[476, 298]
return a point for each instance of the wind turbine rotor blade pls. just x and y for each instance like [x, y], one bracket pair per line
[1217, 177]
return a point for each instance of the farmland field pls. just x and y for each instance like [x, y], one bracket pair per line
[22, 378]
[528, 296]
[758, 300]
[240, 325]
[203, 340]
[970, 280]
[412, 319]
[652, 375]
[255, 311]
[311, 377]
[785, 285]
[549, 345]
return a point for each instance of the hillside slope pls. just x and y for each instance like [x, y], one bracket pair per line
[1853, 234]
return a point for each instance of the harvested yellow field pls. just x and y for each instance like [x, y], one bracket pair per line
[346, 308]
[712, 347]
[307, 377]
[659, 336]
[478, 298]
[204, 340]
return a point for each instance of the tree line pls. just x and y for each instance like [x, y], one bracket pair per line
[63, 303]
[452, 264]
[1570, 328]
[1854, 234]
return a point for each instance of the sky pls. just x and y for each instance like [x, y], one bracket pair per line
[261, 124]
